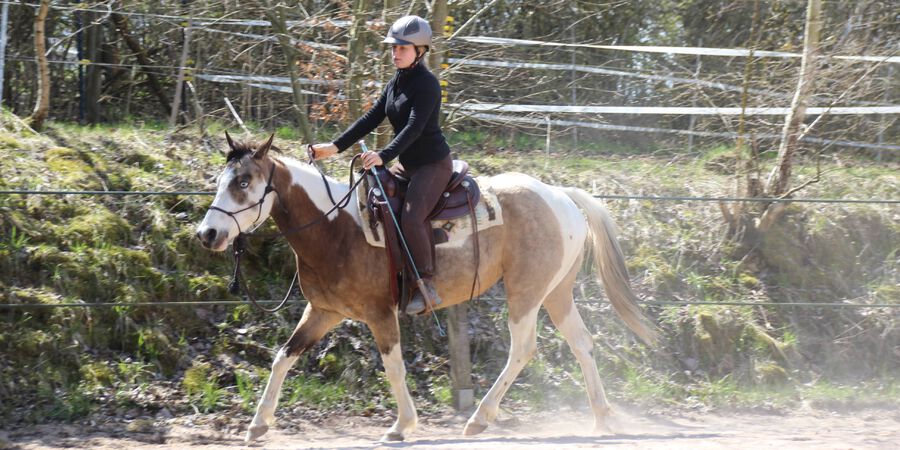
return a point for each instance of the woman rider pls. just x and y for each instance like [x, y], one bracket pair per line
[412, 102]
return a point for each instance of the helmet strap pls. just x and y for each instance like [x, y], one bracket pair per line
[418, 57]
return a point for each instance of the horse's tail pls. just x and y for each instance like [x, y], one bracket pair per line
[610, 263]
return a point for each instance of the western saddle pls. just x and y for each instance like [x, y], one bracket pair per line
[458, 199]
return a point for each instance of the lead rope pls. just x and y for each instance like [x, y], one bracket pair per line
[240, 245]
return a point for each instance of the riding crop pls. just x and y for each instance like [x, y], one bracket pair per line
[419, 282]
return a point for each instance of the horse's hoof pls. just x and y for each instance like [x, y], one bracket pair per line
[473, 428]
[255, 431]
[392, 436]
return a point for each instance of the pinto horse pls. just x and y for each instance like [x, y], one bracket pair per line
[537, 251]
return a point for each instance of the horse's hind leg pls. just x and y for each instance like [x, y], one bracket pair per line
[313, 325]
[561, 307]
[523, 346]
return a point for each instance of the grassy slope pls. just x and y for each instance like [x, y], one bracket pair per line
[66, 363]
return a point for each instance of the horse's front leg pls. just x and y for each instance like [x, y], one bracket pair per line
[386, 330]
[313, 325]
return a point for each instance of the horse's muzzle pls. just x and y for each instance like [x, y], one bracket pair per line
[212, 239]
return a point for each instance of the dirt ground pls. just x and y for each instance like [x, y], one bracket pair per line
[803, 429]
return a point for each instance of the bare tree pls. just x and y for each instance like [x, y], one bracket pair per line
[748, 223]
[179, 83]
[93, 34]
[780, 178]
[355, 57]
[389, 14]
[275, 14]
[42, 106]
[143, 59]
[779, 182]
[438, 20]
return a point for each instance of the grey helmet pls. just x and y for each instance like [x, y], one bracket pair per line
[409, 30]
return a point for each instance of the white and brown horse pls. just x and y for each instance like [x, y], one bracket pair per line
[537, 251]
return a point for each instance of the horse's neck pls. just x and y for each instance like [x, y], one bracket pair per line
[305, 200]
[308, 179]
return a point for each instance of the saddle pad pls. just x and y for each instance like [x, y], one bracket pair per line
[487, 211]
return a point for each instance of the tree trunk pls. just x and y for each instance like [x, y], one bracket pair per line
[143, 60]
[93, 35]
[42, 106]
[389, 14]
[179, 84]
[438, 20]
[779, 181]
[748, 222]
[198, 109]
[4, 21]
[780, 178]
[279, 24]
[355, 59]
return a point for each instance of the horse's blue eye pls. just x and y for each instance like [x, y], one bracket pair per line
[244, 184]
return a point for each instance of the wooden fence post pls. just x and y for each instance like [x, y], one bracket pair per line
[460, 357]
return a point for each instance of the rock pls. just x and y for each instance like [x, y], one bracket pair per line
[141, 426]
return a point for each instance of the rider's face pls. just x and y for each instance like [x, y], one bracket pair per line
[403, 55]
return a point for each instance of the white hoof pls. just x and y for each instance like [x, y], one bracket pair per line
[255, 431]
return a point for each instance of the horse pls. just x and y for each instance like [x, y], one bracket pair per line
[537, 251]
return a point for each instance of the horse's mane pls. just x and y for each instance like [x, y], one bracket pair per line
[241, 149]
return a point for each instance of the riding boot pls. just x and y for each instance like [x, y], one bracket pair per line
[417, 303]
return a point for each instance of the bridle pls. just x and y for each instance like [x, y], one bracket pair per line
[239, 245]
[269, 189]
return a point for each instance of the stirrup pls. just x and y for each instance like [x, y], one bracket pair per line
[418, 304]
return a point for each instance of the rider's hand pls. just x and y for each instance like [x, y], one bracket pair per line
[371, 159]
[322, 151]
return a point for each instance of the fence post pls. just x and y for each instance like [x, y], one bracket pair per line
[460, 357]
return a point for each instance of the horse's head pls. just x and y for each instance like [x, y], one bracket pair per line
[243, 199]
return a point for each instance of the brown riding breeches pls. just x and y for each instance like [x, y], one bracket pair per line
[426, 184]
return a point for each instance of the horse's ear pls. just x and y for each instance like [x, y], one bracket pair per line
[228, 139]
[263, 149]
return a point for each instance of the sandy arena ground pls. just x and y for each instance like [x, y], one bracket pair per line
[804, 429]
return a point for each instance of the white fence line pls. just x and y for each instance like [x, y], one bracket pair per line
[265, 79]
[724, 134]
[604, 71]
[263, 37]
[340, 23]
[702, 51]
[673, 110]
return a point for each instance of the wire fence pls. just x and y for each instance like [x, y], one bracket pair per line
[589, 300]
[598, 196]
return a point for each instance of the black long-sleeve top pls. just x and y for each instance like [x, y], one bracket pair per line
[412, 102]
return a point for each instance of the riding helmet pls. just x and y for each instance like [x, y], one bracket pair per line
[409, 30]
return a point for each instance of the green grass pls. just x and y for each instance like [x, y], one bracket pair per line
[311, 391]
[725, 393]
[69, 405]
[441, 390]
[517, 140]
[245, 389]
[203, 389]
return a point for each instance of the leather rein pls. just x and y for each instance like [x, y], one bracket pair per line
[239, 246]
